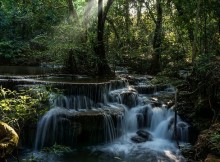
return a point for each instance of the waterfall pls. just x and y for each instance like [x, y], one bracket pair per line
[112, 112]
[109, 128]
[50, 129]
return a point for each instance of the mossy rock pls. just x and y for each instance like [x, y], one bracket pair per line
[8, 140]
[208, 142]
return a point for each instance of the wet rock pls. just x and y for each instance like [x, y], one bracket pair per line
[155, 102]
[128, 97]
[138, 139]
[144, 134]
[170, 104]
[131, 79]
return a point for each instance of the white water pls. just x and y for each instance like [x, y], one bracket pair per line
[158, 121]
[162, 148]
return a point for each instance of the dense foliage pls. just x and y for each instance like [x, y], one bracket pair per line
[146, 36]
[19, 108]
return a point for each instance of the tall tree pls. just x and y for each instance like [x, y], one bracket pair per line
[127, 20]
[102, 64]
[157, 40]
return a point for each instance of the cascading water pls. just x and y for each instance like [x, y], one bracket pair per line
[83, 101]
[109, 129]
[51, 127]
[122, 112]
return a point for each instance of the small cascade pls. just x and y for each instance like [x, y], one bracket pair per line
[109, 128]
[68, 126]
[116, 114]
[182, 129]
[120, 125]
[50, 129]
[88, 96]
[74, 102]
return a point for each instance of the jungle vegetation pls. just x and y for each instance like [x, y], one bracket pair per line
[92, 37]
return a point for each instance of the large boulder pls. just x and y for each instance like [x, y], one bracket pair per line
[142, 136]
[8, 140]
[138, 139]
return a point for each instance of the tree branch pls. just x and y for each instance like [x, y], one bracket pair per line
[107, 7]
[150, 12]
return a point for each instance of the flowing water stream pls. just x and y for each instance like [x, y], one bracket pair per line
[115, 122]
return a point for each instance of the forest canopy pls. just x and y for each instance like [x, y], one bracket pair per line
[94, 36]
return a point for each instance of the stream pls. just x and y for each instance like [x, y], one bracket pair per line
[109, 121]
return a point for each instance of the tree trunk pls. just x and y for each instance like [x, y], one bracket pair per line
[102, 65]
[127, 21]
[186, 20]
[157, 41]
[72, 11]
[139, 7]
[194, 50]
[71, 62]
